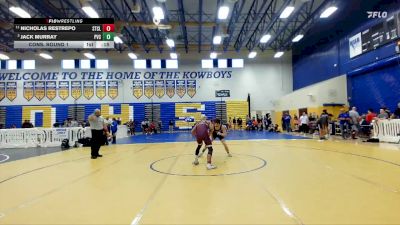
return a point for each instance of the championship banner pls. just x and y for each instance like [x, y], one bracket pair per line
[63, 89]
[2, 90]
[40, 90]
[137, 88]
[11, 90]
[51, 90]
[76, 89]
[170, 87]
[149, 88]
[181, 87]
[113, 89]
[100, 89]
[160, 89]
[29, 90]
[88, 89]
[191, 88]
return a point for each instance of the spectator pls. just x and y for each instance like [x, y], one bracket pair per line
[239, 122]
[396, 113]
[383, 114]
[145, 126]
[323, 123]
[152, 128]
[27, 124]
[114, 129]
[354, 121]
[131, 127]
[304, 123]
[286, 121]
[171, 126]
[370, 116]
[159, 127]
[234, 123]
[296, 123]
[344, 120]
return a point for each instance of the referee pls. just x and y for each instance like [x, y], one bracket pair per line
[98, 126]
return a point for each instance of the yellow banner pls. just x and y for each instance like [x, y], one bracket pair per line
[29, 90]
[88, 89]
[11, 90]
[149, 88]
[2, 90]
[51, 90]
[76, 89]
[181, 88]
[137, 88]
[100, 89]
[63, 89]
[113, 89]
[160, 88]
[170, 87]
[40, 90]
[191, 87]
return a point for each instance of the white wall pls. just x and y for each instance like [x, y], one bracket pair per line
[265, 78]
[330, 91]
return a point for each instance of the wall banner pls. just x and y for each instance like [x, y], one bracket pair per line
[51, 89]
[63, 89]
[191, 87]
[11, 90]
[170, 88]
[149, 88]
[181, 87]
[29, 87]
[76, 89]
[137, 88]
[40, 91]
[100, 89]
[2, 90]
[88, 89]
[113, 89]
[160, 88]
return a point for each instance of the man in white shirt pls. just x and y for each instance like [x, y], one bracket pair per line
[304, 123]
[98, 126]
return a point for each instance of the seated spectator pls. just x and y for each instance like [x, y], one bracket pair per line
[396, 114]
[383, 114]
[370, 116]
[27, 124]
[344, 120]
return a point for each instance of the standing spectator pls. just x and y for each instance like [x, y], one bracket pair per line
[159, 126]
[229, 123]
[114, 129]
[234, 123]
[396, 114]
[383, 114]
[296, 123]
[344, 119]
[304, 123]
[240, 123]
[286, 121]
[323, 123]
[370, 116]
[355, 122]
[97, 126]
[171, 126]
[133, 127]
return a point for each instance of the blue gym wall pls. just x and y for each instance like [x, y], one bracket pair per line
[374, 88]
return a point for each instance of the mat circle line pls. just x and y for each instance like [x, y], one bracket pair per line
[264, 163]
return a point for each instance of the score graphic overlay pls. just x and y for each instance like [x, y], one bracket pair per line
[45, 33]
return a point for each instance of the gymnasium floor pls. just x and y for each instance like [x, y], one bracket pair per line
[273, 181]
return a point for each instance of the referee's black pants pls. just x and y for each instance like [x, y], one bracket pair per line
[97, 141]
